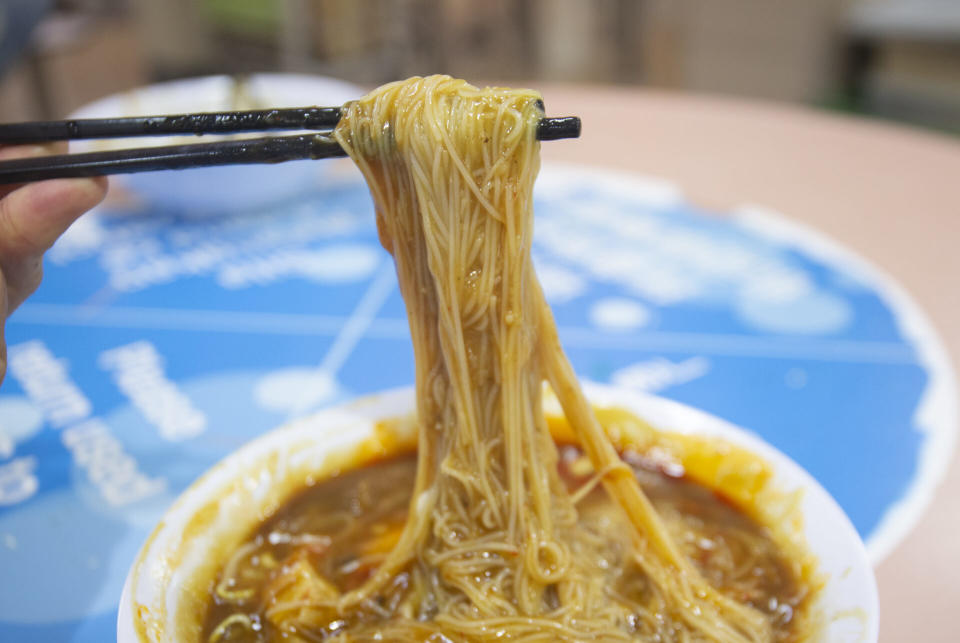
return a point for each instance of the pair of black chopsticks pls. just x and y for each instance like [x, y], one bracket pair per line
[277, 149]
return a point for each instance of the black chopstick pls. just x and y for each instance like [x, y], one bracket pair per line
[276, 149]
[297, 118]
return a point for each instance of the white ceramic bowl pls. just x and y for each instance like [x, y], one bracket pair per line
[218, 189]
[270, 467]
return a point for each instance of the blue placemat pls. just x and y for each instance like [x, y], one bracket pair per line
[163, 338]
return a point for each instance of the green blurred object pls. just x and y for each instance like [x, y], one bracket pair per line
[255, 18]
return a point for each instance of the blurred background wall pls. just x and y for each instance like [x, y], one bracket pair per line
[897, 59]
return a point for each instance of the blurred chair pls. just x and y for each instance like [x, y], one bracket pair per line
[380, 40]
[903, 60]
[18, 18]
[775, 50]
[374, 41]
[55, 59]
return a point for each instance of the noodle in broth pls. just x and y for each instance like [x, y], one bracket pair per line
[492, 544]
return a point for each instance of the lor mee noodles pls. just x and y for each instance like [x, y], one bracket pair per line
[493, 531]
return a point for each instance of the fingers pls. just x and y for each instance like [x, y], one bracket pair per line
[32, 217]
[28, 151]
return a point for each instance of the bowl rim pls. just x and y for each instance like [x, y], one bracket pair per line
[839, 549]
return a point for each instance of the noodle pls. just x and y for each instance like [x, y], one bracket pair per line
[493, 546]
[451, 170]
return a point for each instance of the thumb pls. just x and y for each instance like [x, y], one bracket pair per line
[31, 219]
[34, 216]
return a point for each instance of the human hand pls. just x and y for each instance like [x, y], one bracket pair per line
[32, 217]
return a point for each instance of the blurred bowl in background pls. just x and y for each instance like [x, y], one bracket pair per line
[213, 190]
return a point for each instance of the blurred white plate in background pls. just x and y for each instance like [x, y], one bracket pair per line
[214, 190]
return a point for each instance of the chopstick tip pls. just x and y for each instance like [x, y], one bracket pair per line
[552, 129]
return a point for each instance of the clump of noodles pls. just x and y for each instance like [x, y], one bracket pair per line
[492, 539]
[492, 547]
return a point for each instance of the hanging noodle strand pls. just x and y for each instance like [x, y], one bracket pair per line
[494, 546]
[451, 170]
